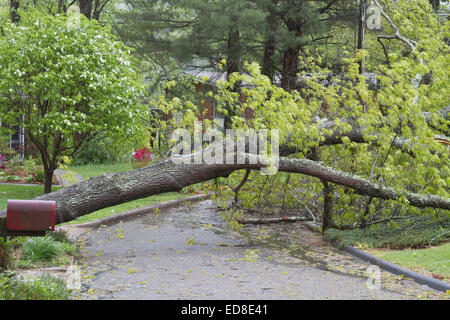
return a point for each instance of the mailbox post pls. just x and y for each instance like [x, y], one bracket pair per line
[28, 218]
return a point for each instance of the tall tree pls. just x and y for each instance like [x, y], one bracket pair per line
[64, 85]
[14, 7]
[92, 9]
[203, 33]
[192, 32]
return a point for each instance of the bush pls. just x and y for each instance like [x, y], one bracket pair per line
[39, 176]
[44, 287]
[40, 249]
[29, 166]
[104, 150]
[58, 236]
[391, 238]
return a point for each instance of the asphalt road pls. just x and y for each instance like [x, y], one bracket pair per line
[191, 253]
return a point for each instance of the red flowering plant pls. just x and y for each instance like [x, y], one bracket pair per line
[143, 155]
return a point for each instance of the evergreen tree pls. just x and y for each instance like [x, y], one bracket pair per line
[192, 32]
[202, 33]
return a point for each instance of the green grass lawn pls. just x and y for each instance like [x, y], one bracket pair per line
[87, 171]
[435, 259]
[16, 192]
[94, 170]
[127, 206]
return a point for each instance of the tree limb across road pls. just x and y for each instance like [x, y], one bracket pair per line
[166, 176]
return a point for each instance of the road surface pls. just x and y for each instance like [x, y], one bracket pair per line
[190, 252]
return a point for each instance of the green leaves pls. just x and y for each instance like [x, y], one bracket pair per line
[58, 79]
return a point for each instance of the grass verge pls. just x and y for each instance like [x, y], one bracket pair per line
[19, 192]
[94, 170]
[435, 260]
[44, 287]
[424, 248]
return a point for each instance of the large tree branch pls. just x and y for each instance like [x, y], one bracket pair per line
[167, 176]
[332, 135]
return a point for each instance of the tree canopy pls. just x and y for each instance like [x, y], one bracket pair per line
[64, 83]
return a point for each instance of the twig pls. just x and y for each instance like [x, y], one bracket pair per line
[306, 207]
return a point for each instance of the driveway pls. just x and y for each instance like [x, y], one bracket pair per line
[190, 252]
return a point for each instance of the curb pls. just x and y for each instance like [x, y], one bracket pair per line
[135, 213]
[396, 269]
[78, 229]
[392, 267]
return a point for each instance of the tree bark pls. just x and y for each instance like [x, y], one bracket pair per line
[269, 63]
[166, 176]
[86, 8]
[361, 31]
[327, 206]
[14, 7]
[48, 180]
[233, 48]
[290, 67]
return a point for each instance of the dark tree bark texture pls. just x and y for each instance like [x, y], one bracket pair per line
[166, 176]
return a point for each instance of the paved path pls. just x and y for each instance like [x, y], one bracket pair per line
[190, 253]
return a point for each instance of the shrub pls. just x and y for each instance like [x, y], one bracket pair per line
[105, 150]
[58, 236]
[29, 166]
[39, 175]
[44, 287]
[384, 237]
[40, 249]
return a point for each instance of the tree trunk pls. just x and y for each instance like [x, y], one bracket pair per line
[86, 8]
[269, 64]
[290, 69]
[327, 206]
[14, 7]
[233, 47]
[166, 176]
[48, 180]
[361, 31]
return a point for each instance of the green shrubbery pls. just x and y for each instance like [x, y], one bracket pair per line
[108, 149]
[36, 252]
[44, 287]
[420, 236]
[40, 249]
[52, 248]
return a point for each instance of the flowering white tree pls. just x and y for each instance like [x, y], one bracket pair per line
[65, 85]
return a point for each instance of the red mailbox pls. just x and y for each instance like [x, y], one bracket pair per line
[30, 215]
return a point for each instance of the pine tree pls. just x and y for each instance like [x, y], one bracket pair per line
[203, 33]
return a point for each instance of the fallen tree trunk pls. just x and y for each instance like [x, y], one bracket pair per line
[166, 176]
